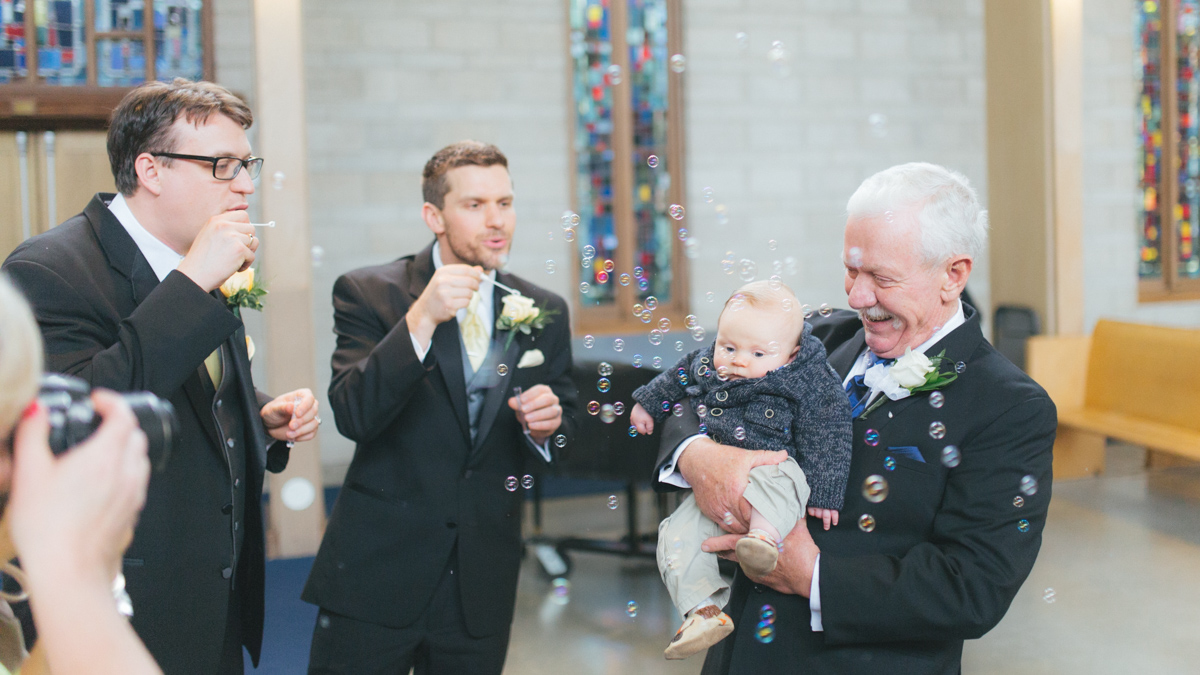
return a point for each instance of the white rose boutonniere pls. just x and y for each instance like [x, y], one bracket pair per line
[911, 373]
[241, 291]
[519, 314]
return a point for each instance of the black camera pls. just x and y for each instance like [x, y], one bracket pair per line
[73, 419]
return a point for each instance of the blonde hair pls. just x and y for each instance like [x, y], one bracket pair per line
[20, 355]
[771, 295]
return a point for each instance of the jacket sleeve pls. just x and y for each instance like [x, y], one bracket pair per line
[822, 437]
[959, 583]
[664, 387]
[156, 348]
[375, 367]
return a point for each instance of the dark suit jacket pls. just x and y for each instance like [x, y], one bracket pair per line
[417, 489]
[106, 318]
[950, 548]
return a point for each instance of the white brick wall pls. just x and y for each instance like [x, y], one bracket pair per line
[1110, 194]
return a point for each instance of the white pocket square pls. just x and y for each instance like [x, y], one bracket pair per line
[531, 358]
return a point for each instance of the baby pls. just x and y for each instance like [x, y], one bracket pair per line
[765, 384]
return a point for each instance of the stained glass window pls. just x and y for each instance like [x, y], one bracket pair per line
[12, 40]
[1150, 138]
[627, 240]
[177, 39]
[1187, 210]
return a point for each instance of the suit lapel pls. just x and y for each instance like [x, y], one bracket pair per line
[497, 394]
[119, 248]
[446, 345]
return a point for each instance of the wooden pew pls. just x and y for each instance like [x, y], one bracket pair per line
[1133, 382]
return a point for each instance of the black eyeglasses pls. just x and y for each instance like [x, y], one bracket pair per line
[224, 168]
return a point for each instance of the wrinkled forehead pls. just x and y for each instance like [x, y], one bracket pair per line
[890, 240]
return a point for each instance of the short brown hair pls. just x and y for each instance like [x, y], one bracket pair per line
[462, 153]
[142, 121]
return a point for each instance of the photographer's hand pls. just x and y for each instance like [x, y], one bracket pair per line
[71, 518]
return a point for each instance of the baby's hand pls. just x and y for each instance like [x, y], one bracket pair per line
[828, 516]
[641, 419]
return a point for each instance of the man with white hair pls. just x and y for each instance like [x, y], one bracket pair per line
[950, 471]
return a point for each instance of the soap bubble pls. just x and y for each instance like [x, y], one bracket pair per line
[570, 219]
[1049, 595]
[1018, 501]
[664, 324]
[806, 310]
[632, 431]
[691, 248]
[773, 348]
[937, 431]
[656, 337]
[527, 482]
[772, 244]
[560, 441]
[624, 279]
[878, 123]
[639, 272]
[588, 341]
[743, 41]
[679, 345]
[722, 214]
[604, 369]
[593, 408]
[618, 345]
[631, 609]
[502, 370]
[960, 367]
[510, 483]
[651, 303]
[584, 287]
[278, 178]
[589, 251]
[318, 255]
[775, 283]
[951, 457]
[739, 433]
[683, 234]
[609, 265]
[690, 321]
[562, 588]
[747, 270]
[710, 296]
[677, 410]
[676, 211]
[937, 399]
[777, 57]
[1029, 486]
[656, 362]
[569, 235]
[871, 438]
[601, 277]
[866, 522]
[875, 488]
[637, 360]
[603, 384]
[790, 266]
[708, 195]
[619, 408]
[764, 632]
[1023, 525]
[612, 502]
[613, 74]
[652, 161]
[825, 310]
[889, 463]
[607, 414]
[702, 410]
[643, 284]
[728, 518]
[550, 267]
[678, 63]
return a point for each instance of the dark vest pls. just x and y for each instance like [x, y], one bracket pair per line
[226, 402]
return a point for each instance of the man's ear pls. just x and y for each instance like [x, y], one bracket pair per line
[958, 270]
[432, 216]
[148, 175]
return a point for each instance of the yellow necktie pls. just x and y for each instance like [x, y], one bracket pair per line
[474, 333]
[213, 365]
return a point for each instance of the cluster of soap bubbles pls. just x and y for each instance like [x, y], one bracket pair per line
[511, 483]
[764, 632]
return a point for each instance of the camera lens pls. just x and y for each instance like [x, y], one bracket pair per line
[156, 417]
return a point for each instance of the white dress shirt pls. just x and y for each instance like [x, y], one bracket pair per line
[668, 474]
[487, 312]
[162, 258]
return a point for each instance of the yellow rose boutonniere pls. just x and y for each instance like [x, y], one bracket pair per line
[241, 291]
[519, 313]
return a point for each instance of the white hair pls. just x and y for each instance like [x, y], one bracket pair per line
[948, 212]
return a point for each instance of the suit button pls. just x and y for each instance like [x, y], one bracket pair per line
[467, 473]
[451, 525]
[227, 509]
[227, 572]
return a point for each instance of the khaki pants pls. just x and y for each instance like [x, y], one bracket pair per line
[779, 493]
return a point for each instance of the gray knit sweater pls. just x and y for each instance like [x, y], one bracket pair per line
[801, 407]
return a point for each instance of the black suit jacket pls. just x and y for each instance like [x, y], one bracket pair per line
[106, 318]
[950, 547]
[417, 489]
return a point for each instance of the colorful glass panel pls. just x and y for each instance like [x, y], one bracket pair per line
[62, 51]
[647, 42]
[177, 39]
[120, 63]
[1187, 211]
[12, 40]
[1150, 137]
[591, 59]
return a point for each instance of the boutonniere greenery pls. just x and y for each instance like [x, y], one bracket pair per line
[241, 291]
[910, 374]
[519, 314]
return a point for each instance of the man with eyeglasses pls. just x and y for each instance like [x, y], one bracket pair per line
[126, 294]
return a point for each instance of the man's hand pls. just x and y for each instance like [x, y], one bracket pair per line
[641, 420]
[292, 416]
[448, 291]
[827, 516]
[718, 475]
[797, 559]
[224, 246]
[539, 411]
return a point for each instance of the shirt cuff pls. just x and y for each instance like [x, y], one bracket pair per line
[543, 448]
[814, 597]
[668, 474]
[421, 351]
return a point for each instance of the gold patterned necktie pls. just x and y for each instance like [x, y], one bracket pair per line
[474, 333]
